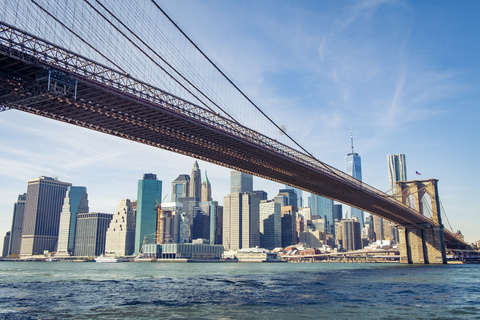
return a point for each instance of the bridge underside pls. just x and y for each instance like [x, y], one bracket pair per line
[85, 103]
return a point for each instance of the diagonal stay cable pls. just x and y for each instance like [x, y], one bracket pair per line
[77, 35]
[161, 58]
[232, 83]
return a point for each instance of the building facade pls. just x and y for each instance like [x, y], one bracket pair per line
[75, 202]
[323, 208]
[120, 236]
[91, 234]
[41, 220]
[195, 182]
[180, 187]
[149, 195]
[353, 167]
[240, 182]
[17, 224]
[270, 224]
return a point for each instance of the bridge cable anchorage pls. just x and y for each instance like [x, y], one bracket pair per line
[160, 57]
[77, 35]
[234, 85]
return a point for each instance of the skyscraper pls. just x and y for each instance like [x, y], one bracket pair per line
[353, 167]
[291, 198]
[241, 220]
[75, 202]
[6, 244]
[91, 233]
[270, 224]
[299, 193]
[41, 220]
[323, 208]
[232, 221]
[17, 224]
[120, 237]
[206, 189]
[149, 194]
[397, 170]
[240, 182]
[351, 234]
[195, 182]
[180, 187]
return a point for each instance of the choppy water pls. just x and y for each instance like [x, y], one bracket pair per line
[73, 290]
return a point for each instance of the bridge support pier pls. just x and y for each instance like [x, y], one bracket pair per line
[422, 245]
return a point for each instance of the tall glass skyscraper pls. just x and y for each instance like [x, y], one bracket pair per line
[75, 202]
[323, 208]
[353, 167]
[241, 182]
[149, 193]
[299, 196]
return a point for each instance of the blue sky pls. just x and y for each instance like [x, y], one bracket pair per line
[403, 74]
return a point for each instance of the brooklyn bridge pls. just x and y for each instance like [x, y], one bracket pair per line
[41, 77]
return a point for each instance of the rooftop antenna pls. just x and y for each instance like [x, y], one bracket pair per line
[351, 138]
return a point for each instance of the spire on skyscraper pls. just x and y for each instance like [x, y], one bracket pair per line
[351, 141]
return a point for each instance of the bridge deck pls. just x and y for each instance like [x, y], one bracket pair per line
[114, 103]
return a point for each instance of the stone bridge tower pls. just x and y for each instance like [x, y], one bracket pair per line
[421, 243]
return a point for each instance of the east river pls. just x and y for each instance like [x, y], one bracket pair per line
[80, 290]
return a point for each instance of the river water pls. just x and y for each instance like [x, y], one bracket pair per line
[76, 290]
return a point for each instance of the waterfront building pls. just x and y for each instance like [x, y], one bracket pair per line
[75, 202]
[195, 182]
[251, 218]
[232, 221]
[323, 208]
[91, 233]
[192, 251]
[6, 244]
[149, 194]
[180, 187]
[17, 224]
[240, 182]
[120, 237]
[270, 224]
[351, 234]
[41, 220]
[241, 227]
[353, 167]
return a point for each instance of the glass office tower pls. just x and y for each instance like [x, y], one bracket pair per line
[149, 194]
[353, 167]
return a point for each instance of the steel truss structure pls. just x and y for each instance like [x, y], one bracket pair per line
[39, 77]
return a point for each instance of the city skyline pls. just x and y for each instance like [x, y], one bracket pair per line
[434, 128]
